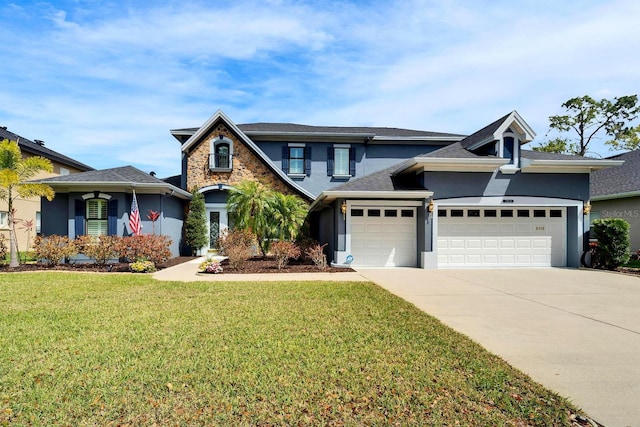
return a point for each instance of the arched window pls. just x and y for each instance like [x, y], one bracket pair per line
[221, 154]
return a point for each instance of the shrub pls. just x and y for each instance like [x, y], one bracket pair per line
[3, 247]
[146, 247]
[316, 254]
[613, 242]
[100, 249]
[195, 225]
[142, 267]
[54, 249]
[283, 251]
[237, 245]
[210, 266]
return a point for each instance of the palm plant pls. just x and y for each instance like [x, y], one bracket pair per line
[14, 171]
[250, 202]
[289, 213]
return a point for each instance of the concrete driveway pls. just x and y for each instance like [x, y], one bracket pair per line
[575, 331]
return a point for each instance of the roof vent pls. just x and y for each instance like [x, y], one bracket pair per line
[152, 173]
[39, 142]
[3, 127]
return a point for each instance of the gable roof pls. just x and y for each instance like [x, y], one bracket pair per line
[618, 182]
[114, 179]
[493, 131]
[220, 116]
[38, 149]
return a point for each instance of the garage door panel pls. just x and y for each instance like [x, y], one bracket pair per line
[384, 240]
[516, 240]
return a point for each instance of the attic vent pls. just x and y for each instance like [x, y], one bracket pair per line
[39, 142]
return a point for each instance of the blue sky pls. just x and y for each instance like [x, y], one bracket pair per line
[105, 81]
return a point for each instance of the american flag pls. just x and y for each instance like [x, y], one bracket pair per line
[134, 217]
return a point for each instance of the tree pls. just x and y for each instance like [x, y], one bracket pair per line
[588, 118]
[14, 171]
[195, 226]
[251, 203]
[289, 213]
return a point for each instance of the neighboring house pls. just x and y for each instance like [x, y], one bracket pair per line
[383, 196]
[615, 193]
[29, 210]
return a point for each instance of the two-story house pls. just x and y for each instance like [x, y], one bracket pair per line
[378, 196]
[28, 211]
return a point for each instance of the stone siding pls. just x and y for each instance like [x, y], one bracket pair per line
[246, 165]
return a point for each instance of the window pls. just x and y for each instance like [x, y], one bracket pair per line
[4, 219]
[555, 213]
[296, 160]
[64, 171]
[523, 213]
[391, 212]
[457, 212]
[373, 212]
[357, 212]
[221, 154]
[506, 213]
[490, 213]
[473, 212]
[341, 161]
[442, 212]
[38, 222]
[539, 213]
[406, 213]
[96, 217]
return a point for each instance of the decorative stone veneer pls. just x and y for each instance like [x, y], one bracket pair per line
[246, 165]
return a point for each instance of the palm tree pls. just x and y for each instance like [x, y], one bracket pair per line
[14, 171]
[289, 213]
[250, 202]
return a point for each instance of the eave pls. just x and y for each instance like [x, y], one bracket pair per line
[432, 164]
[566, 166]
[616, 196]
[113, 186]
[330, 196]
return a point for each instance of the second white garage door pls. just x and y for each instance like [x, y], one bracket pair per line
[383, 236]
[501, 237]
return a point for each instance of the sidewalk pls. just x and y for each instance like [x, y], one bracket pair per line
[188, 272]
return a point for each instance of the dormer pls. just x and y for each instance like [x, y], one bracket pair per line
[503, 139]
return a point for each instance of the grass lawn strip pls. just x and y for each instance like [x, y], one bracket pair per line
[78, 349]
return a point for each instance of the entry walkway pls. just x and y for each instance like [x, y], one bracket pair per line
[575, 331]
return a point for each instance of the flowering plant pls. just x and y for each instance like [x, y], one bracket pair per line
[210, 266]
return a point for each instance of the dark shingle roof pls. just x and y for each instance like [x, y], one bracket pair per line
[40, 150]
[124, 174]
[619, 179]
[380, 181]
[453, 151]
[296, 128]
[483, 133]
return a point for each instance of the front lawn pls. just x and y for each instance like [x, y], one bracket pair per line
[97, 349]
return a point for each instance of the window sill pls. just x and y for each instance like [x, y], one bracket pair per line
[296, 175]
[341, 176]
[220, 169]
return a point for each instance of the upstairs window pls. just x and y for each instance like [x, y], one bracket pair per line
[296, 159]
[341, 161]
[221, 154]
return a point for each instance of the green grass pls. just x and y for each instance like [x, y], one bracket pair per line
[89, 349]
[632, 264]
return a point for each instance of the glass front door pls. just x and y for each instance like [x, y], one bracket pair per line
[214, 229]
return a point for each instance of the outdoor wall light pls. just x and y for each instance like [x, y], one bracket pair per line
[587, 208]
[430, 206]
[343, 209]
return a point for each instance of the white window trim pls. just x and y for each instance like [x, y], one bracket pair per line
[297, 174]
[335, 163]
[212, 150]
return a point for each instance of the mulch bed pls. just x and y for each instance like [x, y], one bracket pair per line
[254, 265]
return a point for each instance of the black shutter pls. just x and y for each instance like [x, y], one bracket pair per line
[307, 161]
[112, 217]
[79, 217]
[330, 161]
[285, 159]
[352, 161]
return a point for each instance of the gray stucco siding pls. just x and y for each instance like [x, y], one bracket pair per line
[369, 159]
[447, 185]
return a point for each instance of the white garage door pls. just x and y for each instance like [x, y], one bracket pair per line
[383, 236]
[501, 237]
